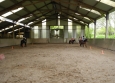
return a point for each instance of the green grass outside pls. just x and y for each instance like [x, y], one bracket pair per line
[103, 36]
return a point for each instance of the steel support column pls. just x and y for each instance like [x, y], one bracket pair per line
[74, 31]
[95, 29]
[82, 31]
[13, 31]
[107, 20]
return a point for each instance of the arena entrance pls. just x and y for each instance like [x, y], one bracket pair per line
[56, 34]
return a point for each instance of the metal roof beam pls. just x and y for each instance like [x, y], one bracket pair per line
[11, 7]
[102, 12]
[84, 5]
[31, 12]
[43, 19]
[77, 12]
[75, 17]
[27, 15]
[39, 17]
[73, 20]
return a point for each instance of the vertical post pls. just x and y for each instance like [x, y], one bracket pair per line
[94, 29]
[82, 30]
[40, 30]
[13, 31]
[43, 28]
[19, 32]
[107, 20]
[74, 31]
[88, 31]
[4, 33]
[47, 33]
[25, 30]
[66, 32]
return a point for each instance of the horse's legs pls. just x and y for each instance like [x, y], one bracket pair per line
[85, 45]
[72, 42]
[80, 44]
[21, 43]
[25, 44]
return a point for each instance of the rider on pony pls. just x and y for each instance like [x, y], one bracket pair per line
[82, 41]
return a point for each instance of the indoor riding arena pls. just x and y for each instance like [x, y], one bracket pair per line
[57, 41]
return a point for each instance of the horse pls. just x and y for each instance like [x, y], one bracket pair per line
[23, 42]
[71, 41]
[83, 42]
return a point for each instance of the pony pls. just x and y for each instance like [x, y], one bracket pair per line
[71, 41]
[83, 42]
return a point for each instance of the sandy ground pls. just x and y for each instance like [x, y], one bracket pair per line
[57, 63]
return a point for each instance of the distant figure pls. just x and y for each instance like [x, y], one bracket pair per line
[23, 42]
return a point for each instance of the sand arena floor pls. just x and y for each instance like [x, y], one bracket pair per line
[57, 63]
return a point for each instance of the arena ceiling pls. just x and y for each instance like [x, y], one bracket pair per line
[31, 12]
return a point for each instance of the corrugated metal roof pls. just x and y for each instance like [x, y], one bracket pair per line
[80, 11]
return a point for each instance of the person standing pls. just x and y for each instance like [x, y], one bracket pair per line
[83, 38]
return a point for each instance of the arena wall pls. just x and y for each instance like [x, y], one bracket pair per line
[103, 43]
[10, 42]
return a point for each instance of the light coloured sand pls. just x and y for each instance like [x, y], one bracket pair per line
[57, 63]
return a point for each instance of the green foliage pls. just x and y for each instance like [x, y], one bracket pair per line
[101, 31]
[100, 36]
[111, 36]
[111, 31]
[89, 32]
